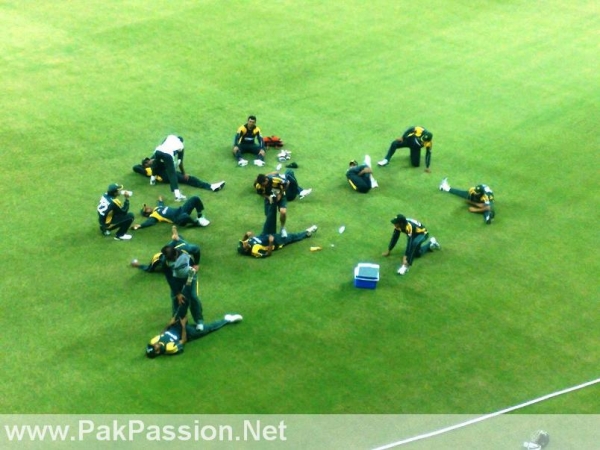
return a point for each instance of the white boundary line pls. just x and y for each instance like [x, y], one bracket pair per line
[487, 416]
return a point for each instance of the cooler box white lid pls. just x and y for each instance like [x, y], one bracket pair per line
[367, 271]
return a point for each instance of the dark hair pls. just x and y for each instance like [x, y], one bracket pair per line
[241, 249]
[261, 177]
[150, 352]
[169, 252]
[252, 118]
[399, 220]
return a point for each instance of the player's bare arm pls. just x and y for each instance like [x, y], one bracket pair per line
[183, 322]
[270, 247]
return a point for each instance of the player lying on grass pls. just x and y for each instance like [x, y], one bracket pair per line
[480, 198]
[268, 241]
[293, 189]
[360, 176]
[178, 216]
[157, 263]
[177, 333]
[149, 167]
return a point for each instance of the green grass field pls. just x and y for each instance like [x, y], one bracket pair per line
[503, 314]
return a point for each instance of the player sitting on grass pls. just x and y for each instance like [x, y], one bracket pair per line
[177, 333]
[113, 214]
[480, 197]
[249, 140]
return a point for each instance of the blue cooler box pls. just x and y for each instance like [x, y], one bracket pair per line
[366, 275]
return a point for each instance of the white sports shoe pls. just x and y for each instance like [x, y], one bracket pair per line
[217, 186]
[402, 270]
[278, 168]
[434, 244]
[304, 193]
[368, 160]
[283, 233]
[374, 183]
[199, 327]
[242, 162]
[383, 162]
[283, 155]
[531, 446]
[444, 186]
[152, 180]
[311, 230]
[233, 318]
[203, 221]
[125, 237]
[259, 162]
[180, 198]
